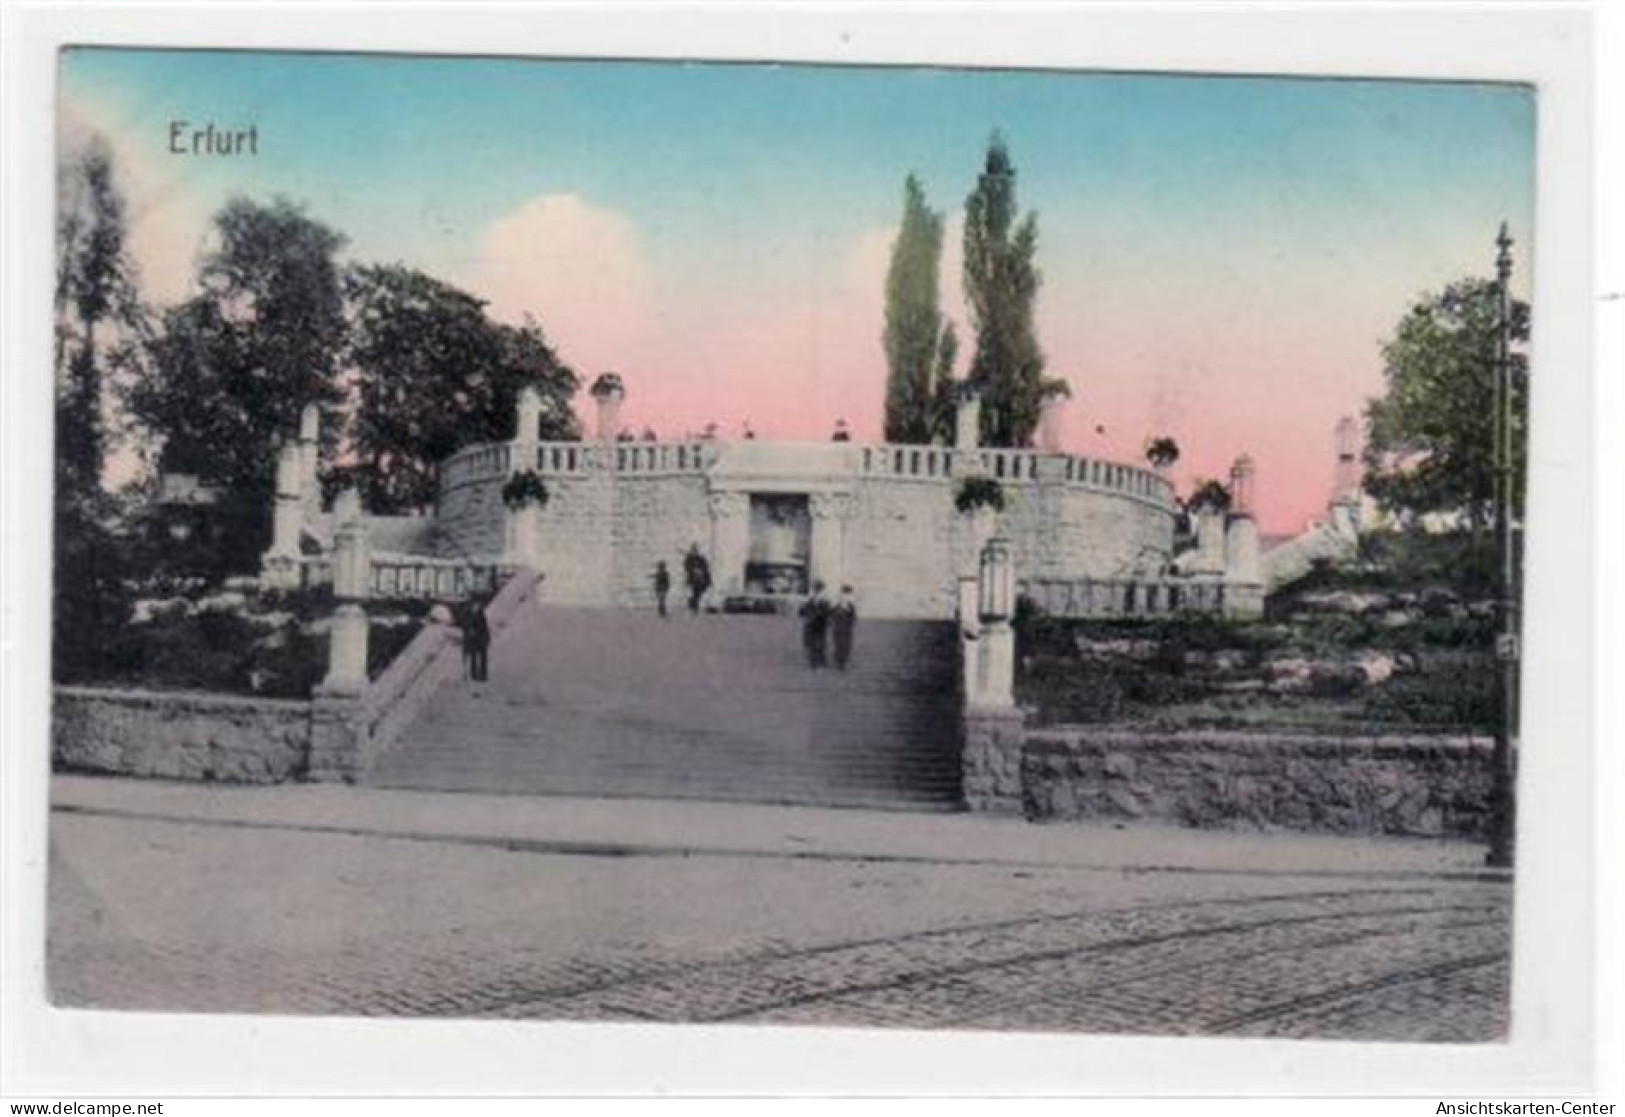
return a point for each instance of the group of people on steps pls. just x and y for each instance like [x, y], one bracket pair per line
[827, 624]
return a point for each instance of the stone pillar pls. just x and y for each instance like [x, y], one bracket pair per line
[998, 685]
[347, 652]
[352, 581]
[1051, 412]
[1209, 556]
[1346, 478]
[279, 566]
[528, 416]
[991, 762]
[310, 457]
[730, 541]
[828, 558]
[995, 606]
[607, 393]
[1241, 550]
[523, 543]
[970, 641]
[288, 515]
[968, 418]
[1241, 486]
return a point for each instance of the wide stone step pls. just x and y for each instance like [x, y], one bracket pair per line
[586, 702]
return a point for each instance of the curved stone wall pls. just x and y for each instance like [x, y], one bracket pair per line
[882, 516]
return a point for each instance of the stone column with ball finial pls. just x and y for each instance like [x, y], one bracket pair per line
[608, 391]
[1243, 574]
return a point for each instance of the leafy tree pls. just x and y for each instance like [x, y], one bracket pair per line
[98, 311]
[99, 318]
[1001, 286]
[234, 365]
[436, 374]
[1209, 496]
[944, 399]
[1162, 452]
[1430, 437]
[920, 348]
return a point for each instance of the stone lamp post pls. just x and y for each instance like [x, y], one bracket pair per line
[996, 607]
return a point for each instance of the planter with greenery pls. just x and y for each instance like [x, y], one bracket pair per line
[977, 493]
[525, 489]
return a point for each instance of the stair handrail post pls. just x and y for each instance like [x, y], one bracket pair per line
[970, 636]
[352, 578]
[996, 613]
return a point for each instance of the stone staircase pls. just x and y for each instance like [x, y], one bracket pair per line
[621, 703]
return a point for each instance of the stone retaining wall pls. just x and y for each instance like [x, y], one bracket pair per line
[1419, 785]
[179, 735]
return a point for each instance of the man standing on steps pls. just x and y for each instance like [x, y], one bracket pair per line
[477, 642]
[662, 585]
[843, 619]
[697, 573]
[815, 615]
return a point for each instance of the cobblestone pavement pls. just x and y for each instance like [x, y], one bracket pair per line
[165, 915]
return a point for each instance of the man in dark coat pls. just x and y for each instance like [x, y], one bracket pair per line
[662, 585]
[815, 614]
[697, 573]
[477, 641]
[843, 616]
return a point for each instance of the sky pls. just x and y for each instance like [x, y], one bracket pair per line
[1221, 256]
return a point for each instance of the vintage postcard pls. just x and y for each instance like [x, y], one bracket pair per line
[764, 543]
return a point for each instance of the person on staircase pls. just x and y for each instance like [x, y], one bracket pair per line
[662, 585]
[843, 619]
[815, 617]
[477, 641]
[697, 573]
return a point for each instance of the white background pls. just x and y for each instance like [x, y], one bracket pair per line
[1564, 910]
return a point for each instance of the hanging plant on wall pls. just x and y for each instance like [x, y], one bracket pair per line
[979, 492]
[524, 489]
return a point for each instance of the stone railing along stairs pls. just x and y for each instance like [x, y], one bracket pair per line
[620, 703]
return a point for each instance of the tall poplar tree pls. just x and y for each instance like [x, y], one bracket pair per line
[919, 347]
[98, 312]
[99, 319]
[1001, 287]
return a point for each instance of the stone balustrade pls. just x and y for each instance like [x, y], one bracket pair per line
[1124, 597]
[423, 576]
[660, 457]
[909, 462]
[473, 464]
[492, 461]
[397, 576]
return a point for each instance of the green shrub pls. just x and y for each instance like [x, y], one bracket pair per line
[1450, 692]
[979, 492]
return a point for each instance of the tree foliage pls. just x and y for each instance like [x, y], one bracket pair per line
[234, 365]
[1001, 287]
[920, 347]
[1162, 452]
[1430, 437]
[98, 313]
[435, 374]
[99, 319]
[1209, 496]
